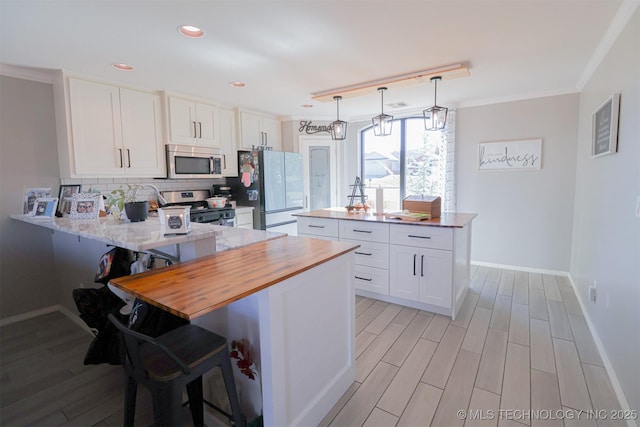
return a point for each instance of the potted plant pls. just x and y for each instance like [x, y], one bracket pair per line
[126, 200]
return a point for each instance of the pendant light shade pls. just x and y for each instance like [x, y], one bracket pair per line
[339, 127]
[382, 124]
[435, 117]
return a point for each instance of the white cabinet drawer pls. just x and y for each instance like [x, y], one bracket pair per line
[371, 254]
[318, 226]
[364, 231]
[422, 236]
[371, 279]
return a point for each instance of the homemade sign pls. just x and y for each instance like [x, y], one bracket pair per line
[508, 155]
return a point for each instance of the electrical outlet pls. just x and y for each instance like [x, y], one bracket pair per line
[593, 292]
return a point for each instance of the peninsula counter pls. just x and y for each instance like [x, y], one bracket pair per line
[291, 297]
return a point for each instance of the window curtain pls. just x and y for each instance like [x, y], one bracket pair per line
[449, 138]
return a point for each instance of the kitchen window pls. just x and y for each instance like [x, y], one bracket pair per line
[410, 161]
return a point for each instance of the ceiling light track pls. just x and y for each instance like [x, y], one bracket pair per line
[365, 88]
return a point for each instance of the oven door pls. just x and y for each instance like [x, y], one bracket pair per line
[185, 161]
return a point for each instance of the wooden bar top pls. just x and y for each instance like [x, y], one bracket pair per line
[194, 288]
[447, 219]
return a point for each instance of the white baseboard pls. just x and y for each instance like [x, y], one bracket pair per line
[519, 268]
[42, 311]
[615, 383]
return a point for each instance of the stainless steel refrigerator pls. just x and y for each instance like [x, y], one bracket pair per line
[271, 182]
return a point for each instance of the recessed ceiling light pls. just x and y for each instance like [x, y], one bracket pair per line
[191, 31]
[123, 67]
[237, 84]
[307, 105]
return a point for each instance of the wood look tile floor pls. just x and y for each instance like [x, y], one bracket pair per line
[519, 353]
[519, 343]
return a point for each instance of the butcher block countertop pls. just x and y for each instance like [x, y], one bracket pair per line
[456, 220]
[194, 288]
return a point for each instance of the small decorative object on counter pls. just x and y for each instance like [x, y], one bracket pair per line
[175, 220]
[44, 207]
[429, 205]
[85, 205]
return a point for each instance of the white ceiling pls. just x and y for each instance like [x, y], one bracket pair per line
[286, 50]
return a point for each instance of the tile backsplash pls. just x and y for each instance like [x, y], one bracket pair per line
[106, 185]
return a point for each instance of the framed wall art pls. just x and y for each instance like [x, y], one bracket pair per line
[510, 155]
[604, 127]
[65, 197]
[45, 207]
[85, 205]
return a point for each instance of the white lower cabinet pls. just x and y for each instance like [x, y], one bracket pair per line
[371, 279]
[422, 275]
[425, 267]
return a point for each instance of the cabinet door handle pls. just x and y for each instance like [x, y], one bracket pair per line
[362, 231]
[224, 161]
[419, 237]
[414, 264]
[129, 156]
[200, 127]
[316, 226]
[195, 131]
[362, 278]
[121, 159]
[266, 139]
[363, 253]
[421, 265]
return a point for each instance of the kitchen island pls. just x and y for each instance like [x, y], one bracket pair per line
[421, 264]
[290, 298]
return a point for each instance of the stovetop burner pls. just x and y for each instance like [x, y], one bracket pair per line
[200, 210]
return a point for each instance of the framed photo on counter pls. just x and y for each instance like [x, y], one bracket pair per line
[65, 197]
[85, 205]
[45, 207]
[30, 197]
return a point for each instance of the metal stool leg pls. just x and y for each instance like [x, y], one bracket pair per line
[230, 384]
[194, 390]
[130, 393]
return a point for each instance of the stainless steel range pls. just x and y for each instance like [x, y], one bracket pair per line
[200, 210]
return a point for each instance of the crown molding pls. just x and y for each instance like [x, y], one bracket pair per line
[26, 73]
[624, 14]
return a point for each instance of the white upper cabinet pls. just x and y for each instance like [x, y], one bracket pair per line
[228, 142]
[193, 123]
[259, 131]
[114, 132]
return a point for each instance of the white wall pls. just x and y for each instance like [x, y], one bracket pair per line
[28, 158]
[524, 216]
[606, 232]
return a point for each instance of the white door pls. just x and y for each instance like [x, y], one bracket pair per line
[320, 172]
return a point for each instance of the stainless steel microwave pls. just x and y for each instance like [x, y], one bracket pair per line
[187, 161]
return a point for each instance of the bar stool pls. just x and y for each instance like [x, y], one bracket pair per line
[169, 363]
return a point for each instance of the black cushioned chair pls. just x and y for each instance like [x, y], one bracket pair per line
[169, 363]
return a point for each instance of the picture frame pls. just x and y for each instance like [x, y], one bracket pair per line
[85, 205]
[45, 207]
[65, 197]
[522, 154]
[30, 197]
[604, 127]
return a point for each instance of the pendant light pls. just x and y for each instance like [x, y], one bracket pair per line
[382, 124]
[339, 127]
[435, 117]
